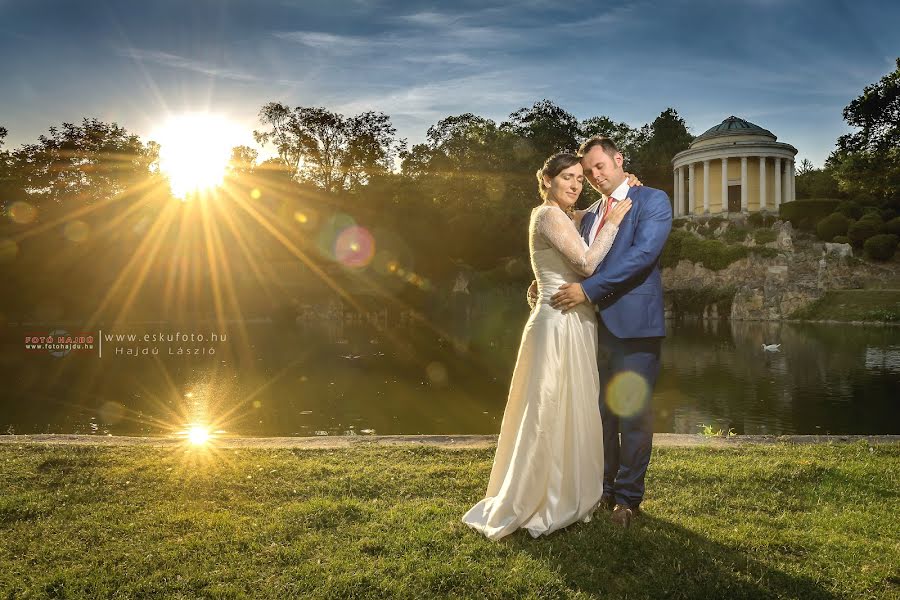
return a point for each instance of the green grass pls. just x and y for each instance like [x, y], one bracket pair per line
[853, 305]
[743, 522]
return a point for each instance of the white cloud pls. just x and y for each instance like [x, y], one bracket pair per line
[179, 62]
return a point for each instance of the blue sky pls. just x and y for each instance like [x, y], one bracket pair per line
[787, 65]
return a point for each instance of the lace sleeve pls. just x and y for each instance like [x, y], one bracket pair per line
[559, 231]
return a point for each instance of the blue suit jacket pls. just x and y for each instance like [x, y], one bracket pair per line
[627, 284]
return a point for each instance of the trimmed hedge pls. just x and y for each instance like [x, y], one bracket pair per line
[736, 235]
[764, 236]
[805, 214]
[893, 226]
[831, 226]
[712, 254]
[881, 246]
[850, 209]
[870, 225]
[841, 239]
[760, 220]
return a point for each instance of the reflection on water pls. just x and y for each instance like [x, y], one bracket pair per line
[403, 374]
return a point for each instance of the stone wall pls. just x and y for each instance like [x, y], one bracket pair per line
[771, 289]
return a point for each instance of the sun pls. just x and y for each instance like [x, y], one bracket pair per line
[194, 150]
[198, 435]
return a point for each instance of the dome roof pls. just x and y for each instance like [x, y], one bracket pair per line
[734, 126]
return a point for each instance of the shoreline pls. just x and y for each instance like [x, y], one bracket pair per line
[660, 440]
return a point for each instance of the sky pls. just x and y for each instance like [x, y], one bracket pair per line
[789, 66]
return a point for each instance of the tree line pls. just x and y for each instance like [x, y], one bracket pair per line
[461, 197]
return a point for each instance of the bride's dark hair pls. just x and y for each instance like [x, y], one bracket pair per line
[553, 166]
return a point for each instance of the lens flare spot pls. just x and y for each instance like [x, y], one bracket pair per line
[76, 231]
[437, 373]
[256, 193]
[301, 217]
[354, 247]
[257, 404]
[627, 394]
[22, 213]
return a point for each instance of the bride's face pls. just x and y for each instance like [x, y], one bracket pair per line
[565, 188]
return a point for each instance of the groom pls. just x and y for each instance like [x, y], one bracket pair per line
[627, 289]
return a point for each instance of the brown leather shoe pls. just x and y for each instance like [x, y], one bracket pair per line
[622, 515]
[607, 502]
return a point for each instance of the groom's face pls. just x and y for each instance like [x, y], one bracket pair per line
[603, 172]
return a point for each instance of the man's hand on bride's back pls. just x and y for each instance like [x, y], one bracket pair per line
[618, 212]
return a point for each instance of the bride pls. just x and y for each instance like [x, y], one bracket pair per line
[548, 468]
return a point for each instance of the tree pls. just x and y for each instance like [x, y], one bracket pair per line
[867, 161]
[805, 167]
[3, 133]
[243, 159]
[817, 183]
[89, 162]
[664, 138]
[334, 152]
[547, 127]
[627, 138]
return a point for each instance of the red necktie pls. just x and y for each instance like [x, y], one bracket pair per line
[609, 203]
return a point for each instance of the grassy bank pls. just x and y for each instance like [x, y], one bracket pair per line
[853, 305]
[748, 522]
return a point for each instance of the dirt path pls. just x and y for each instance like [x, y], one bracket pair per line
[660, 440]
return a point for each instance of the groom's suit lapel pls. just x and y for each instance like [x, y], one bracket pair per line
[587, 221]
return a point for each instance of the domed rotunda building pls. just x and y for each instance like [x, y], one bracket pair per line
[734, 167]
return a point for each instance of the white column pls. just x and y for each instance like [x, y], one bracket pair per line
[706, 187]
[675, 194]
[762, 183]
[681, 191]
[793, 181]
[777, 183]
[786, 181]
[691, 205]
[743, 184]
[724, 185]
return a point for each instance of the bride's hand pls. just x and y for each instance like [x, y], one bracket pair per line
[618, 212]
[633, 180]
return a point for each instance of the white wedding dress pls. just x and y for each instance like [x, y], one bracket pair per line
[548, 469]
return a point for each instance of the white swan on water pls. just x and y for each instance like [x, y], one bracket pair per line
[771, 347]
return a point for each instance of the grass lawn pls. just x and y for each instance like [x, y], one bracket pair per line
[743, 522]
[853, 305]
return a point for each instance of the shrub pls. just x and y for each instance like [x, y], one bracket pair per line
[712, 254]
[881, 246]
[761, 220]
[833, 225]
[865, 228]
[679, 223]
[893, 226]
[764, 236]
[764, 251]
[841, 239]
[850, 209]
[671, 252]
[714, 222]
[736, 235]
[804, 214]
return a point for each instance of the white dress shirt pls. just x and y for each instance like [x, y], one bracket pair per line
[620, 193]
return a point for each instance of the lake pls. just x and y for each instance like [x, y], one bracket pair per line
[335, 373]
